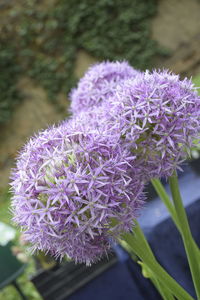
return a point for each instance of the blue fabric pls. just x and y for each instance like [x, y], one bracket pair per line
[114, 284]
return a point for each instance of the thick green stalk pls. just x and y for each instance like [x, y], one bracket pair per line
[139, 235]
[166, 200]
[185, 231]
[158, 272]
[164, 292]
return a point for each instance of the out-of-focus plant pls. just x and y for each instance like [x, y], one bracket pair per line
[9, 94]
[195, 151]
[45, 40]
[9, 292]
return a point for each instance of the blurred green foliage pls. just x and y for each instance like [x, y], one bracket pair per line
[5, 215]
[195, 151]
[43, 40]
[9, 95]
[9, 292]
[196, 81]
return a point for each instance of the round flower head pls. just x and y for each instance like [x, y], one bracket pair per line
[98, 83]
[159, 116]
[73, 192]
[97, 120]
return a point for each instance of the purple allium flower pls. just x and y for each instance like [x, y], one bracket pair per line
[98, 83]
[73, 192]
[97, 119]
[159, 117]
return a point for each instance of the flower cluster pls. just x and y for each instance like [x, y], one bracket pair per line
[159, 117]
[79, 185]
[99, 120]
[73, 191]
[99, 83]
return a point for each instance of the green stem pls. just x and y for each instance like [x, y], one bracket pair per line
[186, 233]
[155, 268]
[163, 291]
[166, 295]
[139, 235]
[166, 200]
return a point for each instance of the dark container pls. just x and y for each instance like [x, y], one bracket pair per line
[116, 277]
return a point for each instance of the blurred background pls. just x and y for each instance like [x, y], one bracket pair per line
[47, 45]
